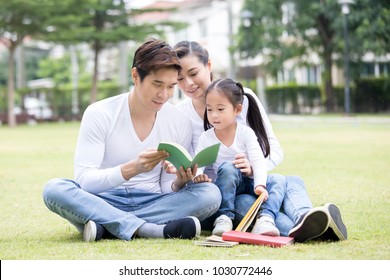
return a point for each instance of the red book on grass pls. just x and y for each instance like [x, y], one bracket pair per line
[257, 239]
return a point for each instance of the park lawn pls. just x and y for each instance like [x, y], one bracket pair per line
[346, 163]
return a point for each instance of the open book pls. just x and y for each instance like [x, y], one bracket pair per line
[215, 241]
[179, 156]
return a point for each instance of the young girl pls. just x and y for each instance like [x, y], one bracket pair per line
[224, 102]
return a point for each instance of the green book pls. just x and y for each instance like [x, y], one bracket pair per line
[179, 156]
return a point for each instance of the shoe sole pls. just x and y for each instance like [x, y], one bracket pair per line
[270, 233]
[197, 226]
[314, 224]
[219, 232]
[90, 230]
[335, 222]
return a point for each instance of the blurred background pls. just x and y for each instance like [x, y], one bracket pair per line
[300, 57]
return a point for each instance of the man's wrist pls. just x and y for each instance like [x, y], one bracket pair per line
[128, 170]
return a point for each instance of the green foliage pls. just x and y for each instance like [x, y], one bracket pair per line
[3, 68]
[60, 69]
[293, 99]
[252, 84]
[61, 97]
[372, 95]
[101, 23]
[312, 27]
[368, 95]
[283, 29]
[369, 22]
[20, 18]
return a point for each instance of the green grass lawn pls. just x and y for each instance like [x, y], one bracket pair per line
[346, 163]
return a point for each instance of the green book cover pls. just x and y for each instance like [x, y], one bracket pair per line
[179, 156]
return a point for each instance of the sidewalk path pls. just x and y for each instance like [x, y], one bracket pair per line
[330, 119]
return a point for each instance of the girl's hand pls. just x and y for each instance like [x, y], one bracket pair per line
[201, 178]
[242, 163]
[261, 189]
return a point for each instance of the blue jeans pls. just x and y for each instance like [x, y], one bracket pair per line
[296, 202]
[122, 211]
[232, 183]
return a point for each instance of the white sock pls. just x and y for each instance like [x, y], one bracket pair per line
[149, 230]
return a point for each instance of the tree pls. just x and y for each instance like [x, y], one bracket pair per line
[18, 20]
[283, 29]
[101, 23]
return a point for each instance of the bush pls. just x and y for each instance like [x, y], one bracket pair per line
[61, 98]
[372, 95]
[293, 99]
[367, 95]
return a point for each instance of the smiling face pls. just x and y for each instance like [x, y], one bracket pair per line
[194, 77]
[220, 111]
[156, 88]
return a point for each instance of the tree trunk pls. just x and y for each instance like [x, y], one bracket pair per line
[326, 36]
[95, 75]
[11, 87]
[328, 81]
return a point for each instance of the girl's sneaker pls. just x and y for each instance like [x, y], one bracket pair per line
[265, 225]
[222, 224]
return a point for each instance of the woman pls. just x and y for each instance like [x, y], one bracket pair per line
[297, 217]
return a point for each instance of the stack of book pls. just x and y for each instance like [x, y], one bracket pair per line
[239, 235]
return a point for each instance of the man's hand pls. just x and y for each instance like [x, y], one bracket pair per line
[183, 176]
[145, 162]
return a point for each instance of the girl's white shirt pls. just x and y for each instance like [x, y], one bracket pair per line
[276, 154]
[245, 141]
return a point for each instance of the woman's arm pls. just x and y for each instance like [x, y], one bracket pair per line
[276, 155]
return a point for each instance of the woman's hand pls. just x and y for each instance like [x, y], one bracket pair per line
[242, 163]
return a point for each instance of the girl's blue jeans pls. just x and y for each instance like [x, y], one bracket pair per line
[295, 203]
[233, 183]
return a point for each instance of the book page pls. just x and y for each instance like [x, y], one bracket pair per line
[178, 155]
[206, 156]
[251, 214]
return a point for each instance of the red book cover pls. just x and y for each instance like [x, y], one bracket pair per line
[257, 239]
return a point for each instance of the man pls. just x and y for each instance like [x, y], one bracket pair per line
[121, 188]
